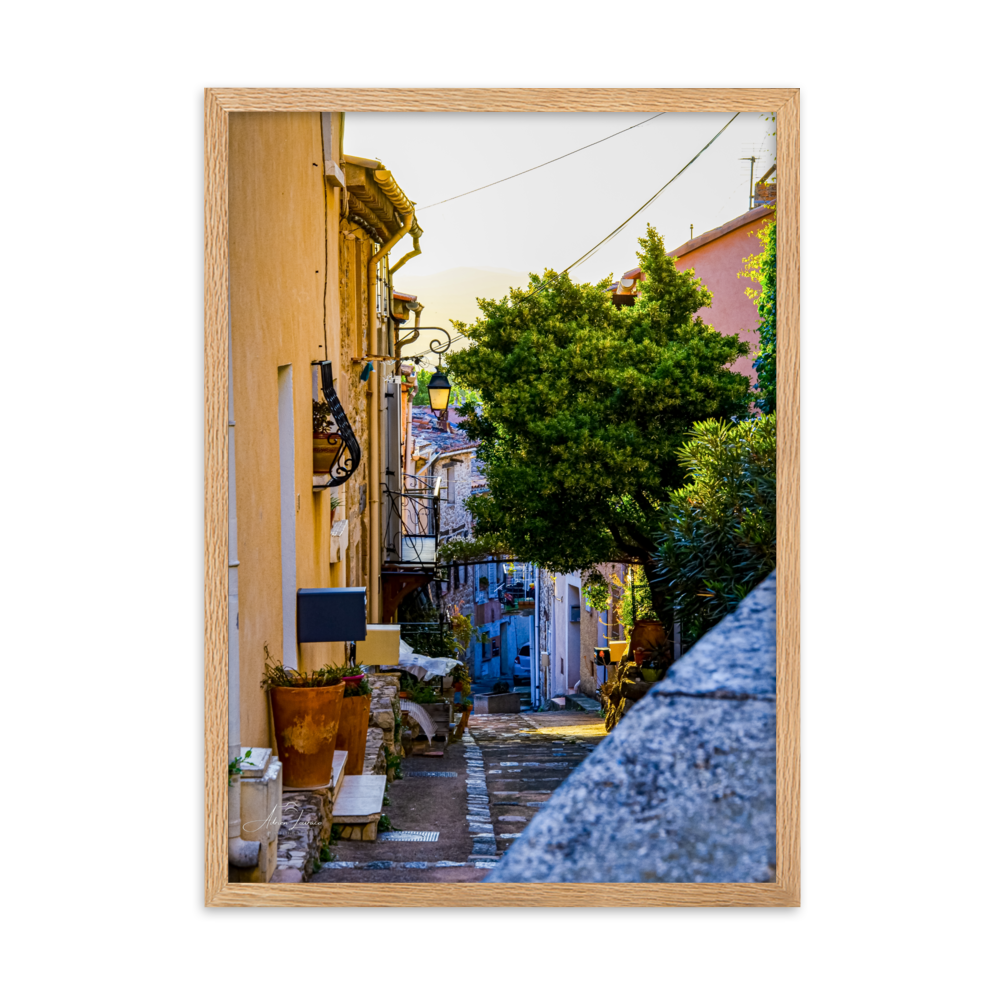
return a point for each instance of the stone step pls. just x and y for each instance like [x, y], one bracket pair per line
[583, 703]
[359, 799]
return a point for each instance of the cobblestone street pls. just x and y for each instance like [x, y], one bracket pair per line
[478, 798]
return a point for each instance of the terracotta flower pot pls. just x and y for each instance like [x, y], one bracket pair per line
[353, 733]
[325, 448]
[306, 720]
[648, 634]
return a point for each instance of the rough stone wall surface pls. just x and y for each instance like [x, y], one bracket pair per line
[374, 752]
[456, 521]
[356, 492]
[683, 790]
[306, 822]
[385, 708]
[543, 608]
[588, 640]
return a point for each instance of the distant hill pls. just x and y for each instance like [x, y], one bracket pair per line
[451, 295]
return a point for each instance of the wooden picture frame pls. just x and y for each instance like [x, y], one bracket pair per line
[219, 103]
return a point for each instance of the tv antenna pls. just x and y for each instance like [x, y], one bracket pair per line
[753, 160]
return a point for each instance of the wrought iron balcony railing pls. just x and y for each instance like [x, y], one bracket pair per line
[412, 523]
[347, 451]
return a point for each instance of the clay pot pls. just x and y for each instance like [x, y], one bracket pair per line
[353, 732]
[325, 448]
[647, 634]
[306, 720]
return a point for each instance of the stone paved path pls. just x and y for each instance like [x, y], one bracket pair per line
[504, 768]
[526, 758]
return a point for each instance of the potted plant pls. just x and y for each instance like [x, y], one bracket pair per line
[305, 708]
[353, 732]
[654, 662]
[327, 442]
[421, 693]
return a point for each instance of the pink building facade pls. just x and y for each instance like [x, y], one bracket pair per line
[717, 259]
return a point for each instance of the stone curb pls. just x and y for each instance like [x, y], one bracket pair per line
[421, 865]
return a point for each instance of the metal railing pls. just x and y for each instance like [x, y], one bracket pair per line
[412, 522]
[347, 454]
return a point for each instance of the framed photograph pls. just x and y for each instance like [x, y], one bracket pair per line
[501, 497]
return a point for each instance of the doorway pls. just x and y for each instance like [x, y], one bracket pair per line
[573, 637]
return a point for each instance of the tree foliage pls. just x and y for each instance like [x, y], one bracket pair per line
[763, 268]
[636, 602]
[596, 591]
[584, 407]
[720, 537]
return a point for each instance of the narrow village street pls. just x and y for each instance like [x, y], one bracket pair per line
[477, 798]
[446, 499]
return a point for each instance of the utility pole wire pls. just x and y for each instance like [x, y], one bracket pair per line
[615, 232]
[424, 208]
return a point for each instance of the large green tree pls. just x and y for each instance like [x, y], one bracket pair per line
[584, 407]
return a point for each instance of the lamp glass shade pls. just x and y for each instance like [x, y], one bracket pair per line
[439, 389]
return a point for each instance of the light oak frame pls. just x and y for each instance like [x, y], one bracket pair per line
[219, 102]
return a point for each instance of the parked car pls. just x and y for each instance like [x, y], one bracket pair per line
[522, 664]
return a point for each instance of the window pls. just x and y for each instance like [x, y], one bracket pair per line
[450, 482]
[496, 645]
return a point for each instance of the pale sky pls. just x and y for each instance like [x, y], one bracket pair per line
[551, 216]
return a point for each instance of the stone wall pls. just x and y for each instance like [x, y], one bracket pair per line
[355, 249]
[385, 709]
[545, 595]
[456, 521]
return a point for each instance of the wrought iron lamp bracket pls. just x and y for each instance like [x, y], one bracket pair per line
[435, 346]
[347, 459]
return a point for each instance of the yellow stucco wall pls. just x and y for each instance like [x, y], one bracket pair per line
[285, 244]
[299, 293]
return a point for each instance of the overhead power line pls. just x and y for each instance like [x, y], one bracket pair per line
[616, 231]
[646, 204]
[423, 208]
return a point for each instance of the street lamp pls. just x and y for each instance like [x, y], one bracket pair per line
[439, 389]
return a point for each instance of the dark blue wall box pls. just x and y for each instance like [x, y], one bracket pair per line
[332, 614]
